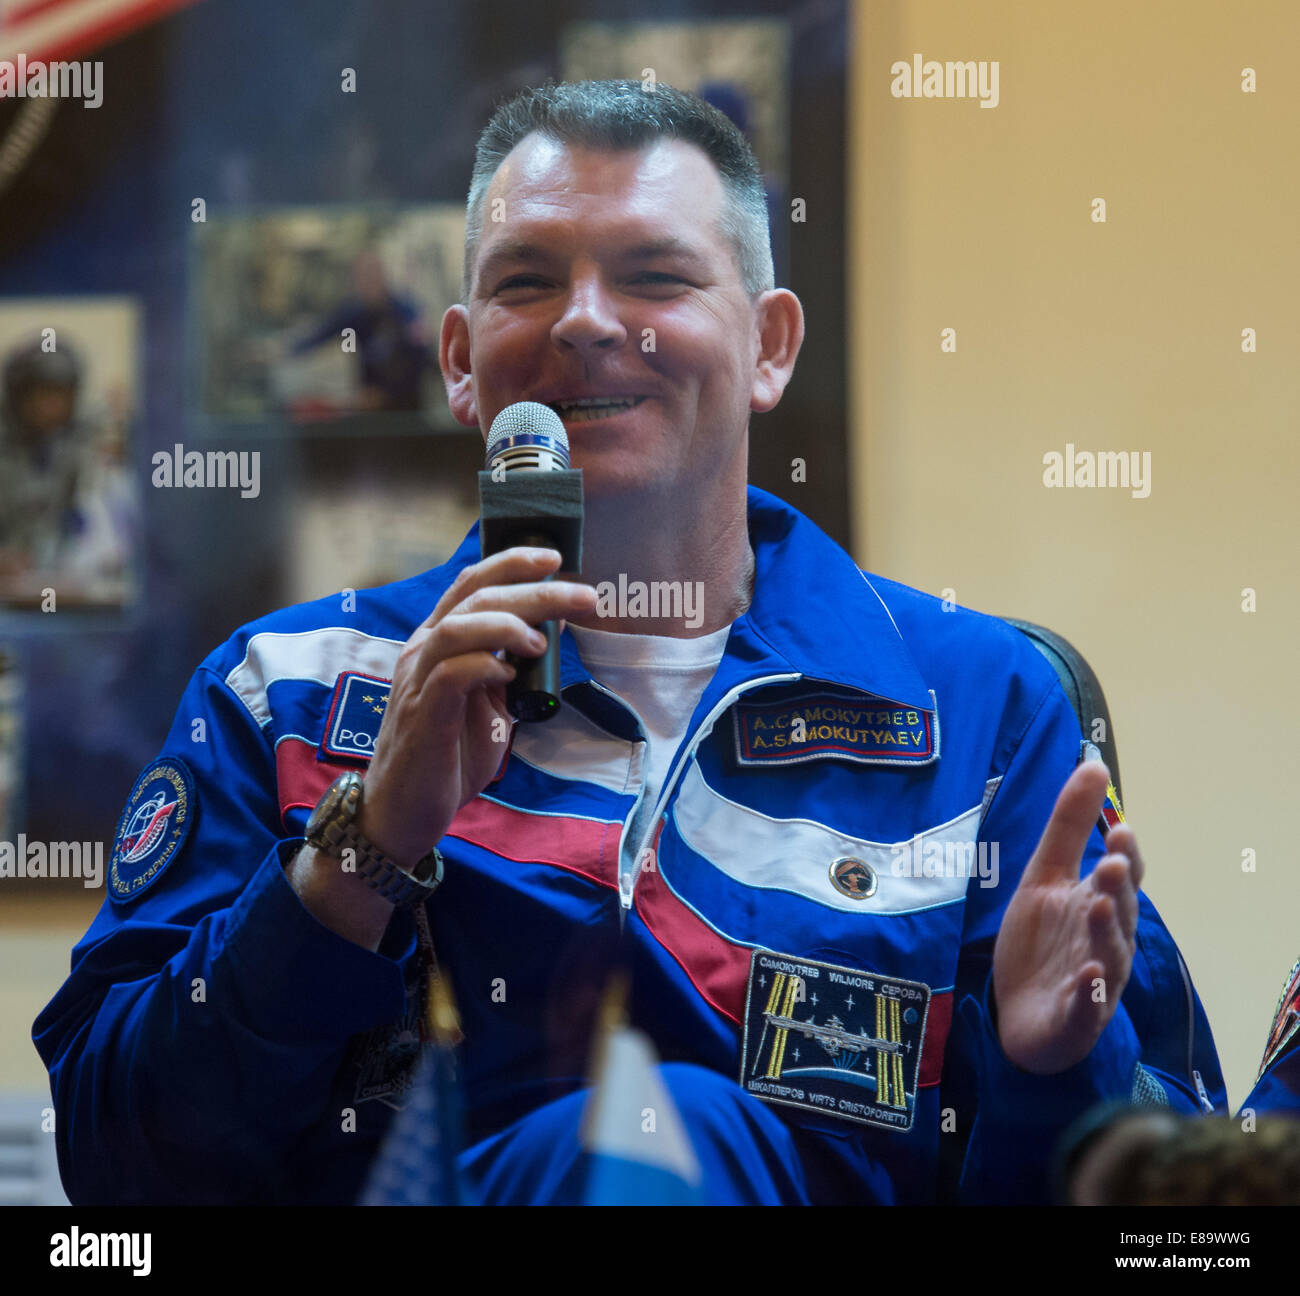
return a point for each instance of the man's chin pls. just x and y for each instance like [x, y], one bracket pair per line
[605, 481]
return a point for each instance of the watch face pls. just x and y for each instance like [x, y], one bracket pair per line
[327, 813]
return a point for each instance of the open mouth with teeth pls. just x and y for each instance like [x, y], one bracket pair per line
[594, 407]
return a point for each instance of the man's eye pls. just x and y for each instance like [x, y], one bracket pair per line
[519, 281]
[657, 276]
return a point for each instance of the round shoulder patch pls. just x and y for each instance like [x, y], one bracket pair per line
[158, 816]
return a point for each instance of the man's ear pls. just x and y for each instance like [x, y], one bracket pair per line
[779, 326]
[453, 358]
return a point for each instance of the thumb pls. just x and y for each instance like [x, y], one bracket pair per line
[1060, 849]
[496, 696]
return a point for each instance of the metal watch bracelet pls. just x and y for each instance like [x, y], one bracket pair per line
[382, 874]
[331, 828]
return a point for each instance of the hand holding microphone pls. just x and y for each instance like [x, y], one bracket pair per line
[447, 720]
[530, 496]
[445, 728]
[440, 741]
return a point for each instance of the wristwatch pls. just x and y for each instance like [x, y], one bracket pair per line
[332, 829]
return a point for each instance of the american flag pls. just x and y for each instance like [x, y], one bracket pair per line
[417, 1161]
[63, 29]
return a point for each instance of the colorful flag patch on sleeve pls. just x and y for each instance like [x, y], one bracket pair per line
[356, 712]
[833, 1040]
[1286, 1020]
[823, 726]
[158, 817]
[1112, 813]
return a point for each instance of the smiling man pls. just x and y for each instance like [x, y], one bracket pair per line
[764, 817]
[629, 290]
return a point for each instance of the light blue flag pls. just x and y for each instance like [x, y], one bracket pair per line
[638, 1149]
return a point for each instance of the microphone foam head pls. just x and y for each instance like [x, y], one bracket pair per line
[531, 420]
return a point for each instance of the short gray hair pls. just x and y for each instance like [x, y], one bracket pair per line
[624, 115]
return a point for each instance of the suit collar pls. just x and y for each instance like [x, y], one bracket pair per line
[818, 612]
[813, 612]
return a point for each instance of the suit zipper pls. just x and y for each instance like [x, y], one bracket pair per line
[627, 884]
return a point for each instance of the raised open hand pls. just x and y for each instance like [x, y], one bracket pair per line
[1065, 948]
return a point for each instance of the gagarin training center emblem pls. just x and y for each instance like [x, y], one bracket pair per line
[153, 828]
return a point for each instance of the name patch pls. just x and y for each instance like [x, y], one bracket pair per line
[870, 731]
[833, 1040]
[356, 712]
[158, 816]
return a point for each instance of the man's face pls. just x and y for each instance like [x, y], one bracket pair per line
[368, 279]
[609, 280]
[46, 409]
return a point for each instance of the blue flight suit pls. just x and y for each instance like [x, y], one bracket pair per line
[861, 786]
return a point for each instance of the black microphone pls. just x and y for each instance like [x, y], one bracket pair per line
[529, 495]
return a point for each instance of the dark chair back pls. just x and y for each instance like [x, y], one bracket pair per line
[1082, 688]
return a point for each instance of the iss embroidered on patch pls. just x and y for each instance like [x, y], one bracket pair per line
[355, 714]
[158, 817]
[833, 1040]
[822, 726]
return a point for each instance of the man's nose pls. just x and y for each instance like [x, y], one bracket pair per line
[590, 320]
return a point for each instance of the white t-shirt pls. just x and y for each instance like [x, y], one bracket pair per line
[662, 678]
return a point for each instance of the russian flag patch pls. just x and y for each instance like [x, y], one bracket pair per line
[356, 712]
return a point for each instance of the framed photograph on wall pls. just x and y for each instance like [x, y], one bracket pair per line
[315, 315]
[11, 744]
[70, 505]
